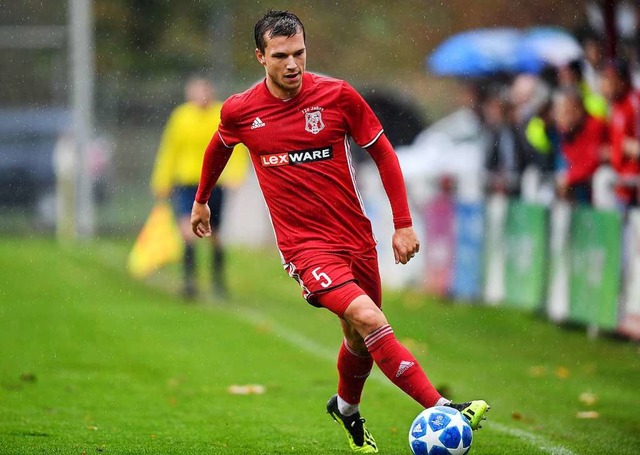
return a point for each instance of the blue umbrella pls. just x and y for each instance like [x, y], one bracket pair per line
[484, 52]
[549, 45]
[479, 52]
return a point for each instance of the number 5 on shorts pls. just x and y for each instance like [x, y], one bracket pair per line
[321, 277]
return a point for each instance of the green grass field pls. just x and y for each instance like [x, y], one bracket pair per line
[94, 362]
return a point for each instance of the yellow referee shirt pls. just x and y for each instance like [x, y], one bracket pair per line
[184, 140]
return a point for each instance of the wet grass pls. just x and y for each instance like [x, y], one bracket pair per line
[94, 362]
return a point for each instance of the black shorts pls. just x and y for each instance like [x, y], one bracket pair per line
[182, 200]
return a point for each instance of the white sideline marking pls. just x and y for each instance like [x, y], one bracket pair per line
[296, 339]
[533, 439]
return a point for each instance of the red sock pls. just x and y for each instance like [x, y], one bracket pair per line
[400, 366]
[353, 370]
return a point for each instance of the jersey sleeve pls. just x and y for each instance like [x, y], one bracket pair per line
[227, 127]
[362, 124]
[216, 156]
[391, 175]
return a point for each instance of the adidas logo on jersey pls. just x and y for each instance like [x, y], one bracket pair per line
[257, 123]
[404, 366]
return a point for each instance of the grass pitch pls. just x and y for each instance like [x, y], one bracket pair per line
[93, 362]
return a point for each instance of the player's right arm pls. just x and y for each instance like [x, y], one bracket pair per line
[215, 159]
[216, 156]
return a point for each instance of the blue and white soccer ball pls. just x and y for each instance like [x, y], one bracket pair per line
[440, 430]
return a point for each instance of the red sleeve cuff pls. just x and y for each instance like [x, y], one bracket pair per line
[402, 223]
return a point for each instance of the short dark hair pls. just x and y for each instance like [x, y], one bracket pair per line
[277, 23]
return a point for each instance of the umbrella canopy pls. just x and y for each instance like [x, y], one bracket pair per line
[484, 52]
[550, 45]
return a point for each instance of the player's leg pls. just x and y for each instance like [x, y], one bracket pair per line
[330, 274]
[354, 366]
[218, 277]
[354, 360]
[393, 359]
[398, 364]
[182, 198]
[366, 271]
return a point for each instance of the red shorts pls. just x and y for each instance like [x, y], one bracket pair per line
[334, 279]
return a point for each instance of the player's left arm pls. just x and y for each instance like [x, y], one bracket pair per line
[405, 241]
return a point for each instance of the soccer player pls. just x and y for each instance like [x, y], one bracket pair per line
[296, 126]
[177, 171]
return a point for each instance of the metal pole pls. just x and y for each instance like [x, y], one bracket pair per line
[82, 77]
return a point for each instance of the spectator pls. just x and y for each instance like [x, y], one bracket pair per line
[624, 128]
[542, 139]
[592, 64]
[582, 138]
[527, 93]
[572, 75]
[535, 125]
[177, 173]
[505, 159]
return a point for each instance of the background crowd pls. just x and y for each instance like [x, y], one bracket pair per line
[551, 134]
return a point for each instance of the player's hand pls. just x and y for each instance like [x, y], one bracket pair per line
[405, 245]
[200, 216]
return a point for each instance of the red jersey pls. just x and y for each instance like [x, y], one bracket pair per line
[625, 122]
[581, 150]
[300, 152]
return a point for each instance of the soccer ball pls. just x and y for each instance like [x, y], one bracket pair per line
[440, 430]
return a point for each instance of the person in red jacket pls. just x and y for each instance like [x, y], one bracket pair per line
[624, 128]
[582, 142]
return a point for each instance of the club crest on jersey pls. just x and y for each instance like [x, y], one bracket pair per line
[297, 157]
[314, 123]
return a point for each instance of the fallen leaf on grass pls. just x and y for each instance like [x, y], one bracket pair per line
[515, 415]
[249, 389]
[588, 398]
[587, 415]
[562, 372]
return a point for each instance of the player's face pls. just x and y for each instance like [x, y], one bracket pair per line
[284, 60]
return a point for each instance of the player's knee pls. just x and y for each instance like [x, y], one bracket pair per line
[364, 316]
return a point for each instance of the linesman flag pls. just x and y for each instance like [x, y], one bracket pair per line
[159, 243]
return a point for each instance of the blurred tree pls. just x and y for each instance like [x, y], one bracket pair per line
[151, 45]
